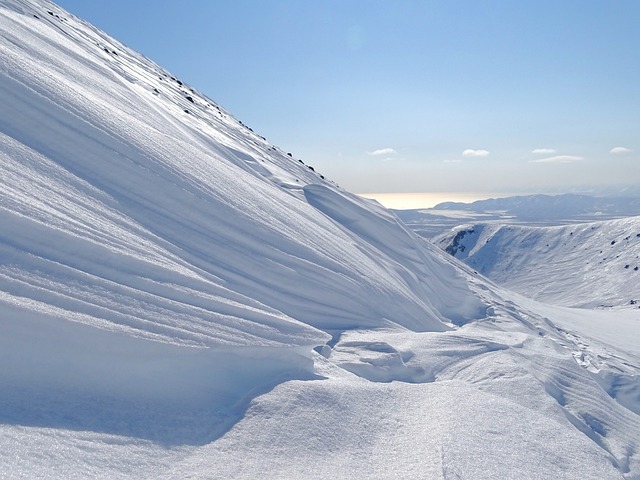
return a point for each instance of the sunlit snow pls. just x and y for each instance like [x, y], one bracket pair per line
[181, 299]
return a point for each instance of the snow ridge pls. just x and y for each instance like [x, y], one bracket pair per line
[590, 265]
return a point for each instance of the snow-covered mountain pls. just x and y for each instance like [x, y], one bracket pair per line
[586, 265]
[181, 299]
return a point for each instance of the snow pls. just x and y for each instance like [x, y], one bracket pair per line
[82, 378]
[181, 299]
[396, 431]
[588, 265]
[176, 202]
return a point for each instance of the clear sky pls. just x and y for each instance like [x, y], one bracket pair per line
[413, 95]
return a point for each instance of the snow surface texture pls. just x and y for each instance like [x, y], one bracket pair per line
[181, 299]
[590, 265]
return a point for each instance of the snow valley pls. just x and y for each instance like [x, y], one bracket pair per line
[586, 265]
[181, 299]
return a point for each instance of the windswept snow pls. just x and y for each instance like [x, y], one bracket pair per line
[154, 219]
[586, 265]
[69, 376]
[181, 299]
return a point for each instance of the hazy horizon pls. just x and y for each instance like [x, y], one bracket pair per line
[416, 200]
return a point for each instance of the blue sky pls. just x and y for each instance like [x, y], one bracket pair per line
[413, 96]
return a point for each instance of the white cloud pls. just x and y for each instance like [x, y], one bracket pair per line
[619, 150]
[559, 159]
[382, 151]
[475, 153]
[544, 151]
[453, 160]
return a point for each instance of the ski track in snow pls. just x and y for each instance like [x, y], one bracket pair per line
[181, 299]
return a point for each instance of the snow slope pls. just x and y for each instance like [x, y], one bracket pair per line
[181, 299]
[586, 265]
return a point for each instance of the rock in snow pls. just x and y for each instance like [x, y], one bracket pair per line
[181, 299]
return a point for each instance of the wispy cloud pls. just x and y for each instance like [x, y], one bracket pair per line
[558, 159]
[452, 160]
[382, 151]
[475, 153]
[543, 151]
[619, 150]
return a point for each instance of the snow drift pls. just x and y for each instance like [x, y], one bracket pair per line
[180, 298]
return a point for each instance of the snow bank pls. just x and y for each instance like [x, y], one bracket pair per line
[67, 376]
[428, 279]
[460, 408]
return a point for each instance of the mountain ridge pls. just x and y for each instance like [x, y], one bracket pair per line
[551, 207]
[590, 265]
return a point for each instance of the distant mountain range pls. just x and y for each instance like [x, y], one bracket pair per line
[551, 207]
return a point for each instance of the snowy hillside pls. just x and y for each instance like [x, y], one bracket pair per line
[584, 265]
[181, 299]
